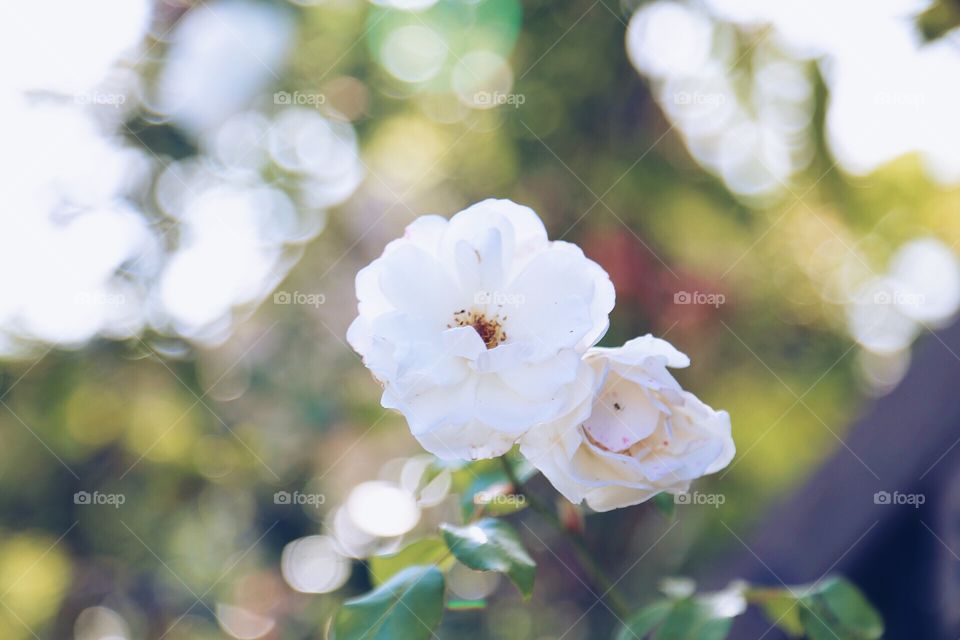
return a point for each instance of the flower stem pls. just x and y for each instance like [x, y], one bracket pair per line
[605, 586]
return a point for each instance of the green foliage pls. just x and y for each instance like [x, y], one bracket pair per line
[837, 609]
[644, 621]
[406, 607]
[485, 489]
[781, 608]
[692, 618]
[426, 551]
[830, 610]
[665, 503]
[492, 545]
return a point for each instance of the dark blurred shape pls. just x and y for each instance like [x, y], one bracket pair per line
[940, 18]
[883, 510]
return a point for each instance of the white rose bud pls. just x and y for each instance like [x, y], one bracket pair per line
[476, 326]
[633, 433]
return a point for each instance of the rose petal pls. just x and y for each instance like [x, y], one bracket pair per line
[623, 414]
[414, 282]
[542, 380]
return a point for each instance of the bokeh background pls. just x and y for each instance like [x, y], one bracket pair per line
[189, 188]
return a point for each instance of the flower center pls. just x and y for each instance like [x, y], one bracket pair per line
[490, 330]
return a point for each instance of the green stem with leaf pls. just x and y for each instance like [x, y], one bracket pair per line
[607, 587]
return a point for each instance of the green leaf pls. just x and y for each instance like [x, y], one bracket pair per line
[666, 504]
[694, 619]
[406, 607]
[830, 609]
[816, 628]
[852, 609]
[783, 611]
[835, 608]
[643, 622]
[492, 545]
[485, 484]
[425, 551]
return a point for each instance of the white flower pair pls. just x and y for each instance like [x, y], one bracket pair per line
[482, 332]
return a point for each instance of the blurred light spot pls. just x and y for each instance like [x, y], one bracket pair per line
[100, 623]
[161, 428]
[34, 576]
[883, 371]
[314, 565]
[95, 35]
[221, 55]
[469, 584]
[237, 142]
[928, 280]
[214, 456]
[875, 319]
[482, 79]
[243, 624]
[353, 542]
[667, 38]
[880, 73]
[227, 256]
[413, 53]
[412, 471]
[476, 535]
[408, 155]
[349, 96]
[382, 509]
[752, 131]
[321, 150]
[435, 491]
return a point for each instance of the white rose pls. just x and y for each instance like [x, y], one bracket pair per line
[636, 435]
[476, 326]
